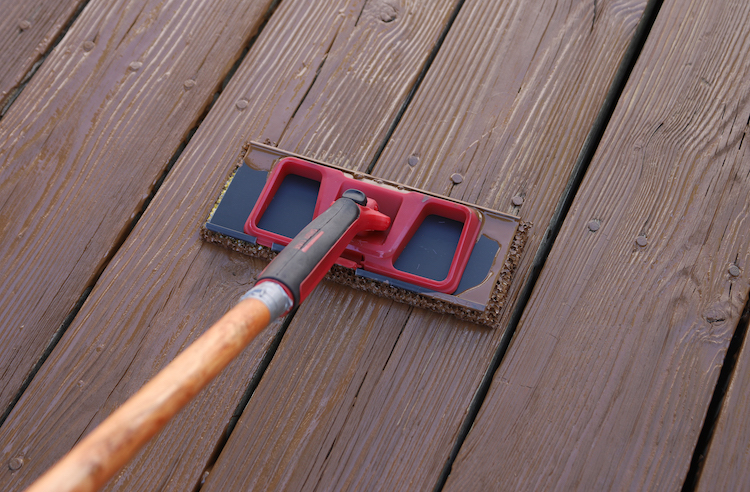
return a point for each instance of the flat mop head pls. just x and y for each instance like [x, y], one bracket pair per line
[438, 253]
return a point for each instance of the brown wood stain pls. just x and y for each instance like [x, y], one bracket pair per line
[725, 465]
[82, 147]
[524, 71]
[27, 31]
[165, 285]
[615, 359]
[610, 375]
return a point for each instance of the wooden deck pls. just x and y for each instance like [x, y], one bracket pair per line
[622, 360]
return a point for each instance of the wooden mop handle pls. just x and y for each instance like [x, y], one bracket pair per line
[285, 282]
[94, 460]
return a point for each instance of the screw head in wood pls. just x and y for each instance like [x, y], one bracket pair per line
[413, 160]
[734, 271]
[15, 463]
[641, 241]
[456, 178]
[88, 45]
[135, 66]
[517, 201]
[23, 25]
[241, 104]
[594, 225]
[189, 84]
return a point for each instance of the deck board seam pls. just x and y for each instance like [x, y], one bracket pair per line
[412, 92]
[16, 91]
[249, 391]
[270, 353]
[51, 344]
[583, 161]
[703, 444]
[57, 336]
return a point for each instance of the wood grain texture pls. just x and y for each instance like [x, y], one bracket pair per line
[82, 147]
[537, 75]
[726, 465]
[114, 442]
[166, 285]
[27, 31]
[616, 357]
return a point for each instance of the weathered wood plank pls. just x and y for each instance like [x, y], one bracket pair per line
[508, 102]
[615, 360]
[82, 147]
[27, 30]
[165, 285]
[726, 464]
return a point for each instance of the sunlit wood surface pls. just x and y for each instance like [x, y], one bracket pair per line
[121, 120]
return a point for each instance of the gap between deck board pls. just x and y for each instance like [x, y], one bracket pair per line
[16, 89]
[540, 446]
[239, 126]
[415, 87]
[394, 123]
[420, 319]
[703, 445]
[566, 199]
[251, 386]
[121, 240]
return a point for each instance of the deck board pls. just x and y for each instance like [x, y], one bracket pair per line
[82, 147]
[495, 106]
[165, 286]
[362, 392]
[616, 357]
[725, 464]
[27, 31]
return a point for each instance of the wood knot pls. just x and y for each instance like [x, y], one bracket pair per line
[715, 315]
[388, 15]
[384, 11]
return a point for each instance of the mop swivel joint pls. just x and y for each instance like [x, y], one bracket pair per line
[303, 263]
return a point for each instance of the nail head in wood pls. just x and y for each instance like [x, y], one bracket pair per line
[594, 225]
[457, 178]
[15, 464]
[517, 201]
[641, 241]
[734, 271]
[413, 160]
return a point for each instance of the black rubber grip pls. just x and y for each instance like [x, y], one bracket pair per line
[300, 257]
